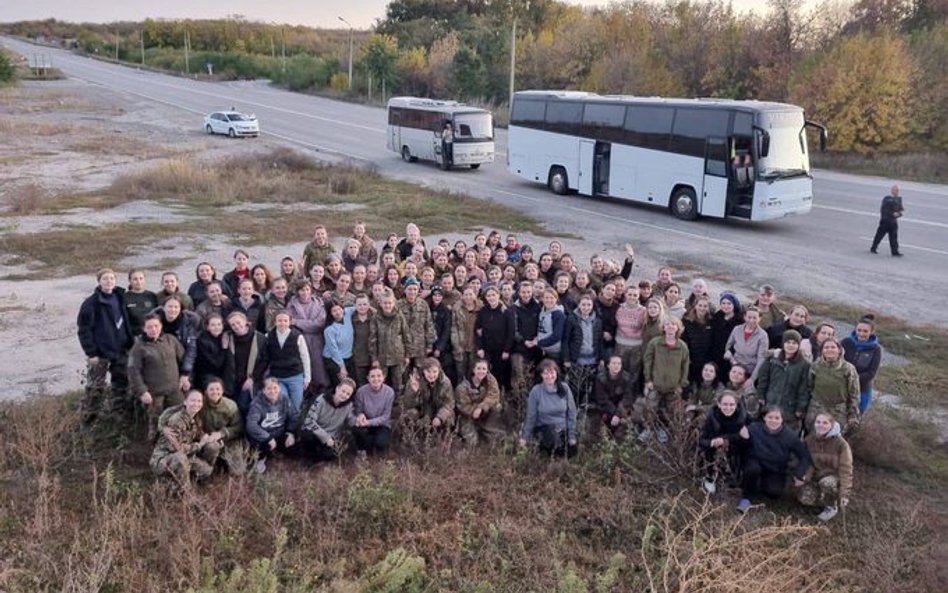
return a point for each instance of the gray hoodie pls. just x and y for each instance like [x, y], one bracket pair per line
[326, 420]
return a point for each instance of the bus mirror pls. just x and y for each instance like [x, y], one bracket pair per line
[763, 143]
[824, 134]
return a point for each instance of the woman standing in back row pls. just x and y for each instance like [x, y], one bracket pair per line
[862, 350]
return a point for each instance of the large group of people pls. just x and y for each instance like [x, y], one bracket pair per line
[340, 352]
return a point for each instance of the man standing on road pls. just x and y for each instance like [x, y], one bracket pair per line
[890, 213]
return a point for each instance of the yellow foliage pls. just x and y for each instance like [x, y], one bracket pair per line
[862, 89]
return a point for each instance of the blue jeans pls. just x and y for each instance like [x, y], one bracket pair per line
[293, 388]
[244, 397]
[865, 400]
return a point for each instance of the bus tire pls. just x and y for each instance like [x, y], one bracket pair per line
[475, 166]
[558, 181]
[684, 203]
[406, 155]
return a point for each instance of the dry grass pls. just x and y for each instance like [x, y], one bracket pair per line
[431, 521]
[25, 199]
[929, 167]
[281, 177]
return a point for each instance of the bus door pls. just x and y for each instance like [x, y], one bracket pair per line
[714, 192]
[601, 168]
[394, 126]
[587, 173]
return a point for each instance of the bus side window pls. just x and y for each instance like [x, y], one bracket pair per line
[716, 161]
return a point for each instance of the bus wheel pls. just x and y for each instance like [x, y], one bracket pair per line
[558, 182]
[684, 204]
[406, 155]
[475, 166]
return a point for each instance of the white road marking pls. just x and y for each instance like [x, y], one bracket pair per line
[620, 219]
[230, 99]
[910, 246]
[876, 215]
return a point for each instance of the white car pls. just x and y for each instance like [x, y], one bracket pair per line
[232, 123]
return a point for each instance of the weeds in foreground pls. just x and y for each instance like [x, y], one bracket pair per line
[435, 519]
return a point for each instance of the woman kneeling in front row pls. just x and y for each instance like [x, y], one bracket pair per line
[551, 414]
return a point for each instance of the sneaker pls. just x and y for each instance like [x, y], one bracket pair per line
[361, 457]
[898, 255]
[743, 506]
[710, 487]
[827, 514]
[644, 436]
[874, 251]
[261, 466]
[662, 437]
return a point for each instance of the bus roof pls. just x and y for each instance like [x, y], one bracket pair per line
[433, 105]
[671, 101]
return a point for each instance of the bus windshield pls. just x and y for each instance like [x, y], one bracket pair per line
[787, 156]
[474, 125]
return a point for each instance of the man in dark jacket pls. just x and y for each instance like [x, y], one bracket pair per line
[889, 214]
[105, 336]
[526, 353]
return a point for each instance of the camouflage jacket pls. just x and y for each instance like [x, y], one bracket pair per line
[421, 325]
[431, 400]
[316, 254]
[389, 339]
[180, 433]
[486, 396]
[462, 331]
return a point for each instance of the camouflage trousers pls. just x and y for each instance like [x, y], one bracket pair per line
[489, 426]
[97, 384]
[234, 456]
[822, 492]
[180, 467]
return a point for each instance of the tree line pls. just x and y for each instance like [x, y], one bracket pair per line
[872, 70]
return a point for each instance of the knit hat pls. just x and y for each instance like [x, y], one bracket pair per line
[437, 290]
[730, 296]
[792, 335]
[411, 281]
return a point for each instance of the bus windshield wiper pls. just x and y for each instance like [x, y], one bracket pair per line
[775, 174]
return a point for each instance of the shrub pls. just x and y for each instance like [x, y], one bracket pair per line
[7, 71]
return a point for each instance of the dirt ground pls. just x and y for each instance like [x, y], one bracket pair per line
[70, 136]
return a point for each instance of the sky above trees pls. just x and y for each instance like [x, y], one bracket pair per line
[316, 13]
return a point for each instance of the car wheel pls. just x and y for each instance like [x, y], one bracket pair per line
[209, 129]
[684, 204]
[406, 154]
[558, 181]
[476, 166]
[232, 133]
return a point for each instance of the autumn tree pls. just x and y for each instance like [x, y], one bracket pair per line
[863, 90]
[379, 58]
[930, 49]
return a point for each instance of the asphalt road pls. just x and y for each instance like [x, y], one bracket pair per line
[823, 255]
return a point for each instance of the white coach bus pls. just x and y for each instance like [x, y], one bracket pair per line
[709, 157]
[415, 126]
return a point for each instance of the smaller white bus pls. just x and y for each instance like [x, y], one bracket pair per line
[415, 127]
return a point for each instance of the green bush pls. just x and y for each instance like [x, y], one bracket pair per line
[7, 72]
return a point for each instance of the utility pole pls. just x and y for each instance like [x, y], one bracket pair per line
[141, 37]
[117, 39]
[350, 50]
[513, 59]
[187, 49]
[283, 36]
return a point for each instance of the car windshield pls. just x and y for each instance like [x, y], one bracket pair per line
[238, 117]
[788, 155]
[474, 125]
